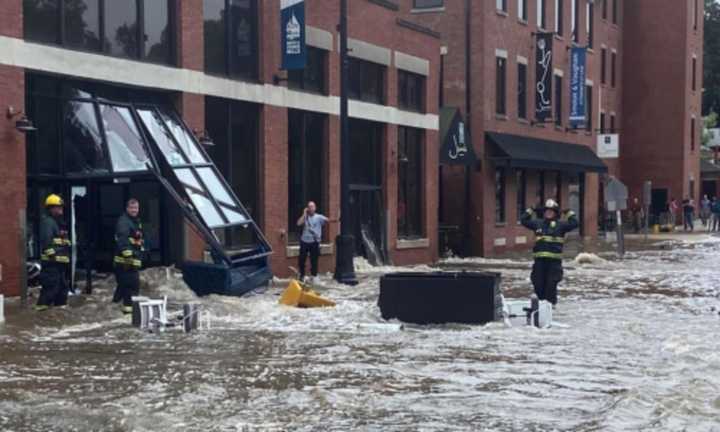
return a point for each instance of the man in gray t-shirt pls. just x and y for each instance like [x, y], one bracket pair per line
[312, 224]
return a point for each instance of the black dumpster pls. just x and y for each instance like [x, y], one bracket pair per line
[219, 278]
[441, 297]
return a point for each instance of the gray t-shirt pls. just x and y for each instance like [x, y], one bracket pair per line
[312, 230]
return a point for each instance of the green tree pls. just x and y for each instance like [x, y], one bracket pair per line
[709, 122]
[711, 81]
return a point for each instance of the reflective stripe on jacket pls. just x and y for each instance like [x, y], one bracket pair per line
[549, 234]
[54, 242]
[130, 244]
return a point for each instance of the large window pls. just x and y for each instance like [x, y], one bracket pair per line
[427, 4]
[558, 100]
[500, 85]
[231, 38]
[589, 108]
[367, 81]
[522, 91]
[411, 91]
[575, 17]
[410, 183]
[523, 10]
[559, 21]
[312, 78]
[137, 29]
[233, 127]
[590, 23]
[541, 16]
[499, 195]
[306, 166]
[501, 5]
[366, 152]
[521, 189]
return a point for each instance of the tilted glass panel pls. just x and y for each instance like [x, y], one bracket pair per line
[82, 142]
[217, 189]
[199, 198]
[234, 217]
[183, 138]
[127, 152]
[162, 137]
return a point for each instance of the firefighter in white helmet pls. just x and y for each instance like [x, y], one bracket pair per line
[550, 233]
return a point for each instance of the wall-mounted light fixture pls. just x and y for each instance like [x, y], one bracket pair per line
[23, 124]
[203, 138]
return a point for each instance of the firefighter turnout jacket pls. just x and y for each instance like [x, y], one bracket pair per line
[130, 243]
[54, 242]
[549, 233]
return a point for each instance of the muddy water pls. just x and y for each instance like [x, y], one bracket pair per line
[639, 349]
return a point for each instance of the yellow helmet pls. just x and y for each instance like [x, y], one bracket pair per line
[53, 201]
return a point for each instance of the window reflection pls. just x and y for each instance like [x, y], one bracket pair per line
[40, 20]
[121, 28]
[84, 151]
[126, 147]
[82, 24]
[157, 31]
[183, 138]
[162, 138]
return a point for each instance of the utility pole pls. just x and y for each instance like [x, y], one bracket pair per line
[345, 242]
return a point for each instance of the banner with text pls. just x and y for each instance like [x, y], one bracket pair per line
[578, 57]
[292, 26]
[543, 76]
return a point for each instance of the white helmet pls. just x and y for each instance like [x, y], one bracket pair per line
[551, 204]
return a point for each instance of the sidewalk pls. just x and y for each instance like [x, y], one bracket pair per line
[699, 235]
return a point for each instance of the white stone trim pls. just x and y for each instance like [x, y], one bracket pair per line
[501, 53]
[522, 60]
[443, 50]
[521, 240]
[284, 4]
[292, 251]
[403, 244]
[44, 58]
[318, 38]
[589, 82]
[412, 64]
[559, 72]
[502, 241]
[368, 52]
[614, 51]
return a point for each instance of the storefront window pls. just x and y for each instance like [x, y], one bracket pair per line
[127, 152]
[306, 165]
[411, 91]
[410, 186]
[231, 45]
[83, 146]
[366, 152]
[367, 81]
[82, 24]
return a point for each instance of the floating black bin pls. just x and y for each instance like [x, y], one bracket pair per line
[441, 297]
[205, 279]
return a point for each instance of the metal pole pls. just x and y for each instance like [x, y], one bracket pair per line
[345, 242]
[620, 236]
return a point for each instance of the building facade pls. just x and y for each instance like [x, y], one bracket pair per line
[77, 68]
[488, 71]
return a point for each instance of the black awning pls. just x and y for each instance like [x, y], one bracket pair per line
[708, 170]
[524, 152]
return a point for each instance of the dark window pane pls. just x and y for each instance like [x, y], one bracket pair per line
[410, 188]
[121, 28]
[500, 80]
[215, 41]
[44, 153]
[521, 188]
[522, 91]
[367, 81]
[41, 20]
[312, 78]
[411, 91]
[127, 151]
[243, 38]
[558, 100]
[157, 31]
[366, 152]
[589, 108]
[306, 144]
[423, 4]
[82, 24]
[499, 195]
[83, 148]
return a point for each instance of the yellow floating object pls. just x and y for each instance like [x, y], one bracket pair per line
[656, 229]
[295, 295]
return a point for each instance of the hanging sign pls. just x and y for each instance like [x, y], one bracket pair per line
[578, 57]
[456, 146]
[543, 76]
[608, 146]
[292, 27]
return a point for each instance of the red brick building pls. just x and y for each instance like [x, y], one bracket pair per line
[70, 65]
[489, 69]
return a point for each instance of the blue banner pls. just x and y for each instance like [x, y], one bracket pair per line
[292, 27]
[578, 58]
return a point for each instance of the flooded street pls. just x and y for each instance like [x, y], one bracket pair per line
[638, 349]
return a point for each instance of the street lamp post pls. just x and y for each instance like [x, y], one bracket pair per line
[345, 242]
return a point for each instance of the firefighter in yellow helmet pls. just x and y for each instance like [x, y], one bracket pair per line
[130, 251]
[550, 233]
[55, 255]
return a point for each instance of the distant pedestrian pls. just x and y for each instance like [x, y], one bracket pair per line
[705, 211]
[673, 208]
[715, 226]
[312, 223]
[688, 212]
[637, 214]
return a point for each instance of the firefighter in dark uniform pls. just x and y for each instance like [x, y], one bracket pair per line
[54, 255]
[129, 255]
[550, 233]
